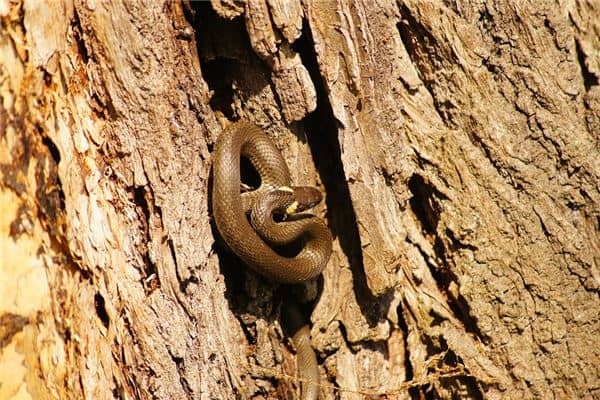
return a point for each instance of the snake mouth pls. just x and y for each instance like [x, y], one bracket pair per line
[293, 208]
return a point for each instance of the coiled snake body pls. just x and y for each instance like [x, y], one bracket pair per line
[253, 242]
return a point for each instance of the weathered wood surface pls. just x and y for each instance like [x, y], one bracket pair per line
[457, 147]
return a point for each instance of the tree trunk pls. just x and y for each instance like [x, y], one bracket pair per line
[457, 146]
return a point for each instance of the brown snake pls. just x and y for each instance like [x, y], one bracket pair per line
[253, 241]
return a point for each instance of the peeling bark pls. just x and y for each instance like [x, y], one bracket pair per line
[457, 146]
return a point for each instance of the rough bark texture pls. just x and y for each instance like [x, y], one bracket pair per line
[457, 146]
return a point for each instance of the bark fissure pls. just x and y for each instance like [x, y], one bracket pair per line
[322, 129]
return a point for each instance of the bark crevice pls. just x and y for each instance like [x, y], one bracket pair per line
[322, 133]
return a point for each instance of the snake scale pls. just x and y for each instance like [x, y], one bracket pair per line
[246, 223]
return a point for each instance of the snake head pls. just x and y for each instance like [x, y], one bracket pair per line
[295, 199]
[306, 197]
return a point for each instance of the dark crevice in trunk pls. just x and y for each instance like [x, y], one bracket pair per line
[227, 64]
[426, 205]
[322, 135]
[148, 269]
[100, 306]
[445, 276]
[589, 78]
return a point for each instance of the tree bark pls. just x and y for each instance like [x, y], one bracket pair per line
[457, 146]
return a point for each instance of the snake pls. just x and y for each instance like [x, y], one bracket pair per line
[247, 223]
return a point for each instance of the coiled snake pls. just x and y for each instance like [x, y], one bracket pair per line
[253, 240]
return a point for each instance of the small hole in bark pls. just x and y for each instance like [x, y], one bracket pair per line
[101, 309]
[49, 194]
[404, 327]
[589, 78]
[52, 148]
[423, 203]
[139, 197]
[78, 35]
